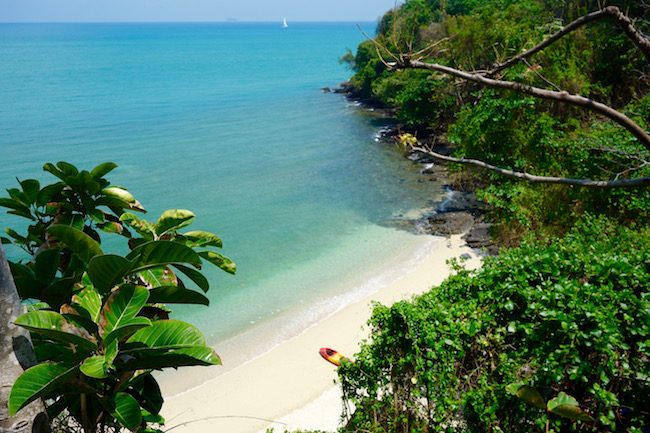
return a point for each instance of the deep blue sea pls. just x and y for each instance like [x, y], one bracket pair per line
[228, 120]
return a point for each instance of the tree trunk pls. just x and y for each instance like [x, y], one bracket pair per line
[16, 355]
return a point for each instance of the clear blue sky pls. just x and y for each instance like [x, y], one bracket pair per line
[191, 10]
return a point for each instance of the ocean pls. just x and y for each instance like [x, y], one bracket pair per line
[227, 120]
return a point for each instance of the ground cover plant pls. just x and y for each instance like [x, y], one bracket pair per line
[99, 320]
[565, 318]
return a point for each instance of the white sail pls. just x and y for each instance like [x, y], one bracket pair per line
[284, 23]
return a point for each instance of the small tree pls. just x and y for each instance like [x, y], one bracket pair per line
[99, 320]
[395, 56]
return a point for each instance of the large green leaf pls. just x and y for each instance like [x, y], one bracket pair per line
[176, 295]
[114, 195]
[121, 308]
[48, 193]
[162, 276]
[55, 327]
[102, 170]
[221, 261]
[90, 300]
[168, 343]
[106, 271]
[152, 399]
[126, 329]
[196, 276]
[160, 253]
[53, 351]
[119, 193]
[18, 196]
[567, 407]
[198, 238]
[110, 352]
[59, 291]
[79, 242]
[46, 264]
[72, 315]
[67, 168]
[144, 228]
[95, 367]
[185, 357]
[169, 334]
[26, 282]
[173, 219]
[127, 411]
[31, 187]
[37, 382]
[527, 393]
[13, 204]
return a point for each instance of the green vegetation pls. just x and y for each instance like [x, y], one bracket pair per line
[99, 321]
[571, 316]
[551, 335]
[511, 130]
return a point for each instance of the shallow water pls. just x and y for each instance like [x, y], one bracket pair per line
[227, 120]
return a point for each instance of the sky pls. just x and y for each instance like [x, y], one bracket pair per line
[191, 10]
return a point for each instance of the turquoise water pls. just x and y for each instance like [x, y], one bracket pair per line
[227, 120]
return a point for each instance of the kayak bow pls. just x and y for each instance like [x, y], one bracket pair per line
[331, 356]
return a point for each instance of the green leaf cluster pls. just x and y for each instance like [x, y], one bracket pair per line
[511, 130]
[100, 326]
[565, 322]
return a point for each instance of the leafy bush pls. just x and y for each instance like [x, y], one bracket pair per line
[572, 316]
[99, 321]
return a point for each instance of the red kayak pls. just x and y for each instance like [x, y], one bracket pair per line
[332, 356]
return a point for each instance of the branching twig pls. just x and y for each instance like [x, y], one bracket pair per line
[625, 183]
[578, 100]
[639, 39]
[378, 46]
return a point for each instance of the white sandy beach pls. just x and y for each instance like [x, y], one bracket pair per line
[291, 386]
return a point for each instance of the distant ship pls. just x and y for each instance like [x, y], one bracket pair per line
[284, 23]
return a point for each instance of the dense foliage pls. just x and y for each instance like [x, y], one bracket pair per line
[512, 130]
[572, 316]
[99, 321]
[552, 335]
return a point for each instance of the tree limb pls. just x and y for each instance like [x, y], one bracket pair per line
[639, 39]
[619, 183]
[563, 96]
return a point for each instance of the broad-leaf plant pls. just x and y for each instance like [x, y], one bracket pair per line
[98, 320]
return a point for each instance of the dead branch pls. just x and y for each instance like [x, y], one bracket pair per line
[639, 39]
[563, 96]
[617, 183]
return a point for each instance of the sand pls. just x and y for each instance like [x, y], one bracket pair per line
[290, 386]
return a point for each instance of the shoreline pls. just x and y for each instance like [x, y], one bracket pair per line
[461, 212]
[280, 383]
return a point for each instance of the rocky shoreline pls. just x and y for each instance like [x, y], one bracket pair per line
[461, 212]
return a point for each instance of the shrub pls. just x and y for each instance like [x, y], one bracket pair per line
[571, 316]
[98, 321]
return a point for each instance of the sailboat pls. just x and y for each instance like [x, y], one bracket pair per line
[284, 23]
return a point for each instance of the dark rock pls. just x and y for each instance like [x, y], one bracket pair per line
[479, 237]
[326, 90]
[463, 202]
[450, 223]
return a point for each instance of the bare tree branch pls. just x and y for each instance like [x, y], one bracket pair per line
[618, 183]
[639, 39]
[578, 100]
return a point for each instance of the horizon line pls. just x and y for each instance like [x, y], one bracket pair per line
[224, 21]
